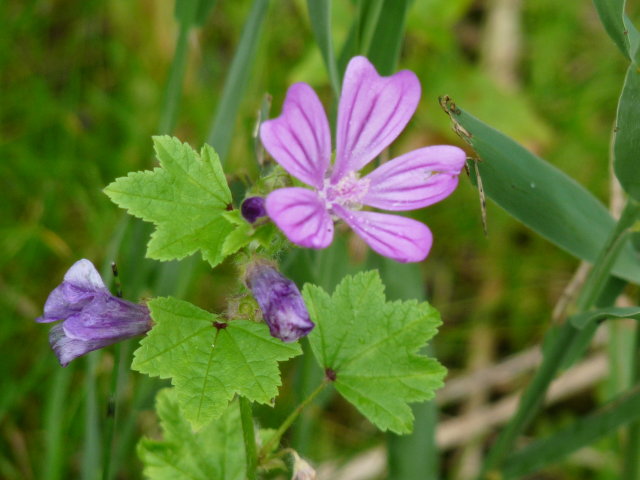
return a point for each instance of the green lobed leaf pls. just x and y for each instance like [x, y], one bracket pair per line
[626, 145]
[541, 196]
[210, 361]
[216, 451]
[413, 456]
[583, 432]
[184, 198]
[372, 345]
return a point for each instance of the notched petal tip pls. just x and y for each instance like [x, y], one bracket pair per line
[373, 111]
[300, 139]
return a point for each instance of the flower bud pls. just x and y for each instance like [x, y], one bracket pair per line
[253, 208]
[92, 317]
[280, 301]
[302, 470]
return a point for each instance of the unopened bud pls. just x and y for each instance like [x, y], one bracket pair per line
[253, 208]
[280, 301]
[302, 470]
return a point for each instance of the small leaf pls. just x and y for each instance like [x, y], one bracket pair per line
[240, 237]
[244, 233]
[626, 146]
[371, 346]
[216, 451]
[184, 199]
[210, 361]
[542, 197]
[584, 432]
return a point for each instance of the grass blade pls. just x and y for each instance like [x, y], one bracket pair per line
[384, 49]
[224, 121]
[542, 197]
[54, 419]
[611, 15]
[320, 17]
[605, 420]
[626, 147]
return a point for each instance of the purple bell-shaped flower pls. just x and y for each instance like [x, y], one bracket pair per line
[92, 317]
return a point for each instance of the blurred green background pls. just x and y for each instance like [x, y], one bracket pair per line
[81, 94]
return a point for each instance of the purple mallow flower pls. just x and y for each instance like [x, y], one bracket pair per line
[253, 208]
[92, 317]
[280, 301]
[373, 111]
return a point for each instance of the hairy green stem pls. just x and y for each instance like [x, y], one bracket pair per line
[290, 419]
[249, 437]
[561, 345]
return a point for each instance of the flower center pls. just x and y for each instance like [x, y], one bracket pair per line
[348, 192]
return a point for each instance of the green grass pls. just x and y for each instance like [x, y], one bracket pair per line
[82, 87]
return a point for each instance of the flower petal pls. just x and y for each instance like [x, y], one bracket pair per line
[373, 111]
[299, 139]
[83, 274]
[81, 283]
[416, 179]
[66, 349]
[400, 238]
[108, 317]
[302, 216]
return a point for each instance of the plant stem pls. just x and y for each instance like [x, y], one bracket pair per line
[561, 345]
[249, 436]
[110, 421]
[92, 447]
[602, 267]
[632, 449]
[290, 419]
[53, 467]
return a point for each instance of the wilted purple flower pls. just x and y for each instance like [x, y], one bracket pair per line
[280, 301]
[93, 317]
[373, 111]
[253, 208]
